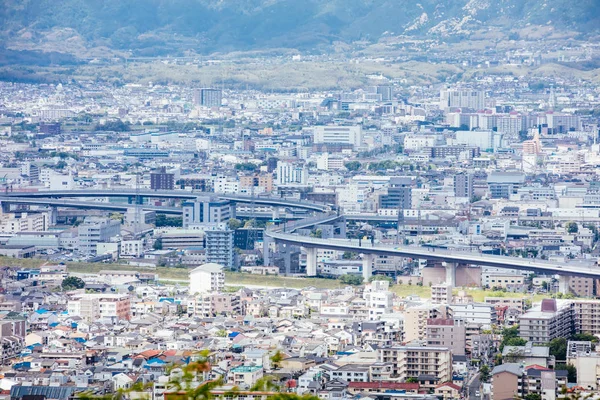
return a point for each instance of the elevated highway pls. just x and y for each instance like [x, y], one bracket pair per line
[285, 233]
[89, 205]
[166, 194]
[450, 259]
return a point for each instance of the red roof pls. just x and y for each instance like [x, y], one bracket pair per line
[148, 354]
[449, 384]
[538, 367]
[384, 385]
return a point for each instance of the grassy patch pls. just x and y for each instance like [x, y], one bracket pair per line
[236, 280]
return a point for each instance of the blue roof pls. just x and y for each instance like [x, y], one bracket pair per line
[42, 311]
[233, 334]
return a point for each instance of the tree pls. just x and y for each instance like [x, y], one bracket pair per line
[484, 373]
[353, 165]
[114, 126]
[234, 224]
[158, 244]
[585, 337]
[276, 359]
[318, 233]
[117, 216]
[533, 396]
[381, 278]
[510, 337]
[348, 255]
[221, 333]
[265, 384]
[572, 227]
[72, 282]
[558, 348]
[163, 220]
[351, 279]
[571, 371]
[411, 379]
[248, 166]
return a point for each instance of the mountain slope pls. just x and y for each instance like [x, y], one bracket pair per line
[168, 26]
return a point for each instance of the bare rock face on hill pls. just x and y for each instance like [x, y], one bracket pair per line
[159, 27]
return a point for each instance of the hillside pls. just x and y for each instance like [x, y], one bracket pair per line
[160, 27]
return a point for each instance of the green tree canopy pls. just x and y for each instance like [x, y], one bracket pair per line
[484, 373]
[72, 282]
[571, 371]
[353, 165]
[572, 227]
[351, 279]
[558, 348]
[234, 224]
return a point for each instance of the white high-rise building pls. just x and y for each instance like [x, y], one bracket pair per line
[207, 278]
[339, 134]
[289, 172]
[462, 98]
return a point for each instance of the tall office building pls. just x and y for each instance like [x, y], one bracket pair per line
[338, 134]
[96, 230]
[399, 194]
[208, 97]
[386, 92]
[462, 98]
[463, 185]
[207, 210]
[162, 180]
[289, 172]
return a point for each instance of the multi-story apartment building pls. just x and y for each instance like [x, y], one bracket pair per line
[441, 294]
[91, 306]
[430, 365]
[462, 98]
[415, 321]
[162, 180]
[261, 183]
[12, 223]
[211, 305]
[207, 210]
[551, 319]
[219, 248]
[586, 314]
[511, 380]
[351, 135]
[207, 278]
[475, 313]
[446, 332]
[96, 230]
[12, 337]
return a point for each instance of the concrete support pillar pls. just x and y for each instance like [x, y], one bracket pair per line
[267, 240]
[5, 207]
[563, 284]
[450, 273]
[367, 266]
[287, 259]
[53, 215]
[276, 213]
[311, 261]
[340, 225]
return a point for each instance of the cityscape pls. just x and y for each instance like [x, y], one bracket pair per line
[401, 218]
